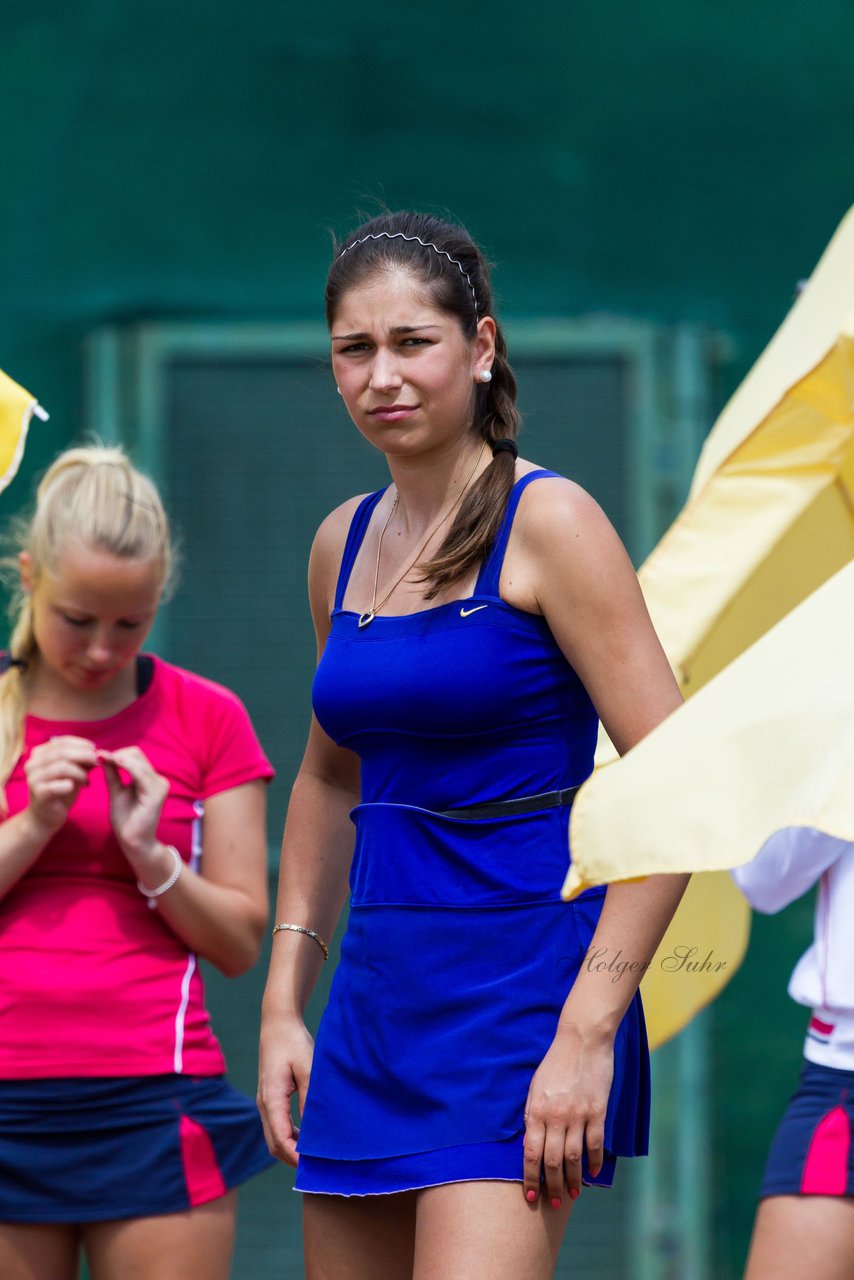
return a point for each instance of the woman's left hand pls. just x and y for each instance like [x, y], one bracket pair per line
[135, 806]
[565, 1114]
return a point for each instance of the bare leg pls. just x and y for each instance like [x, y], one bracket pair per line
[801, 1237]
[468, 1230]
[36, 1251]
[174, 1246]
[359, 1238]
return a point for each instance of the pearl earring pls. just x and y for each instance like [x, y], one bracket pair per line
[338, 389]
[486, 375]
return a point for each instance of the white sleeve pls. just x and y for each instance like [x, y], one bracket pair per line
[788, 864]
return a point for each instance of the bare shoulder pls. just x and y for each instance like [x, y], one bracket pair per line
[326, 553]
[332, 532]
[572, 568]
[562, 545]
[558, 508]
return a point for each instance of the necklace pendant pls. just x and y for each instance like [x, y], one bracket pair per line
[365, 618]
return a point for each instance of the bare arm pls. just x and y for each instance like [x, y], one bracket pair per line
[55, 772]
[590, 597]
[22, 840]
[219, 912]
[317, 848]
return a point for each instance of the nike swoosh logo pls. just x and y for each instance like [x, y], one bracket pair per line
[464, 613]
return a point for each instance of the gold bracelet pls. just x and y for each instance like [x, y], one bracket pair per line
[309, 933]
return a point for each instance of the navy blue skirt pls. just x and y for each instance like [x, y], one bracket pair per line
[456, 963]
[96, 1150]
[812, 1152]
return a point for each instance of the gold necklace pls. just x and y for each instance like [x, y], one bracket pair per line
[365, 618]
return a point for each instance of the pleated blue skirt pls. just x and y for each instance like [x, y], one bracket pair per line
[456, 962]
[101, 1149]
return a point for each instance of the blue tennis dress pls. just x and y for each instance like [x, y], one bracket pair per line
[459, 952]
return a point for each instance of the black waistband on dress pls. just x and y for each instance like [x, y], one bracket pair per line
[508, 808]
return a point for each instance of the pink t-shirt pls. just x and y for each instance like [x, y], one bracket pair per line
[92, 982]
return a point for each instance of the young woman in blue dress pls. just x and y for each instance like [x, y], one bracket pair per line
[474, 619]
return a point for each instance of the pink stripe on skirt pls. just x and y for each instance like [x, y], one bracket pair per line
[201, 1169]
[826, 1167]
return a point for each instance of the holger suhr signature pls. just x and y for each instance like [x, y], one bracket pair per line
[682, 959]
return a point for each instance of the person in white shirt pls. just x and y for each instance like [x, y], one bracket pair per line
[805, 1221]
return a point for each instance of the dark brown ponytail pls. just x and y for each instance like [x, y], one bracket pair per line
[446, 259]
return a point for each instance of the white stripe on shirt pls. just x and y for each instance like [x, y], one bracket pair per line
[182, 1012]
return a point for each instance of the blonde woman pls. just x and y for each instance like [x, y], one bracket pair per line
[132, 841]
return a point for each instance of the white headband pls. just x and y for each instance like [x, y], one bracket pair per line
[428, 244]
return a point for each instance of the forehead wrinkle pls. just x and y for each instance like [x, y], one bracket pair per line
[395, 329]
[392, 288]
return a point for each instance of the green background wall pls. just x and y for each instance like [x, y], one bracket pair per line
[668, 161]
[186, 159]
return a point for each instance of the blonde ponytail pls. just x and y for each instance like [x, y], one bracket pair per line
[13, 707]
[95, 495]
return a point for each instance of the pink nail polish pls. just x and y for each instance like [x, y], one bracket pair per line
[530, 1196]
[555, 1202]
[574, 1193]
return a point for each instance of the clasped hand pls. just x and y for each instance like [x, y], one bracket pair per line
[57, 770]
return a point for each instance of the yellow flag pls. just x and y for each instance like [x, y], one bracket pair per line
[769, 519]
[764, 747]
[17, 407]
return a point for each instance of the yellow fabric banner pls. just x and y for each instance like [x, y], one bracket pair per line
[767, 745]
[769, 519]
[17, 407]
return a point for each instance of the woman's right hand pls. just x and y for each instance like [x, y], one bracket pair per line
[55, 772]
[285, 1058]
